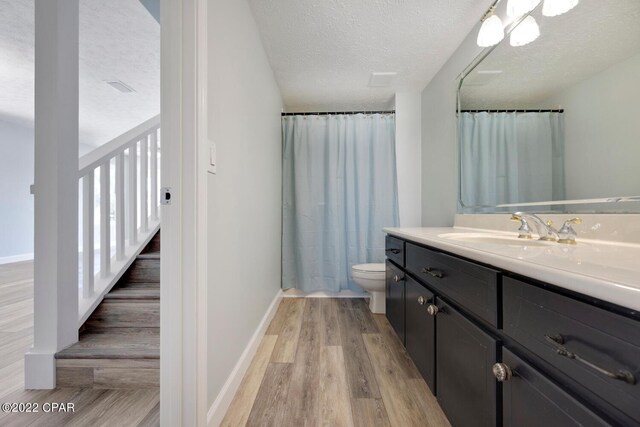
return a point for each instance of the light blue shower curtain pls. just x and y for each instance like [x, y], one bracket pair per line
[339, 191]
[511, 157]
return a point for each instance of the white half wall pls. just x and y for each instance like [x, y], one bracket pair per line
[16, 202]
[245, 195]
[601, 122]
[408, 106]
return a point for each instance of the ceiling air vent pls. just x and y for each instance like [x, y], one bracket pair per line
[382, 79]
[120, 86]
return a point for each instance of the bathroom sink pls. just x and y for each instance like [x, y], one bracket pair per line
[494, 239]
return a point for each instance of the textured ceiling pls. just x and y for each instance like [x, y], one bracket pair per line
[323, 51]
[594, 36]
[119, 40]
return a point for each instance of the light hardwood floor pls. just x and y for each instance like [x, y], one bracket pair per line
[330, 362]
[92, 407]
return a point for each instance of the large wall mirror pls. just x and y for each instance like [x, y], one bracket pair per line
[554, 125]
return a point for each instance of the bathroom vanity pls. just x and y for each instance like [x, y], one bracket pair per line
[518, 333]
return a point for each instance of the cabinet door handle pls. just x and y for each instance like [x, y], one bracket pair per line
[422, 300]
[432, 309]
[502, 372]
[393, 251]
[432, 271]
[558, 340]
[397, 278]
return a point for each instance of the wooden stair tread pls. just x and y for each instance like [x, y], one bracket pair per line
[115, 343]
[139, 285]
[134, 293]
[149, 255]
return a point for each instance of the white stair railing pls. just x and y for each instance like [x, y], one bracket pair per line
[126, 200]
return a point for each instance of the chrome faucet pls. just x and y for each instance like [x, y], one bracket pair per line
[567, 234]
[545, 230]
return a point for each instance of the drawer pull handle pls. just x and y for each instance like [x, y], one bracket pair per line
[502, 372]
[432, 271]
[558, 340]
[432, 309]
[393, 251]
[397, 278]
[422, 300]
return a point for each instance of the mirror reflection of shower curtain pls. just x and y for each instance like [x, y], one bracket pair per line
[339, 191]
[511, 157]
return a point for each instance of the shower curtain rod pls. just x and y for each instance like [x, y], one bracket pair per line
[513, 111]
[330, 113]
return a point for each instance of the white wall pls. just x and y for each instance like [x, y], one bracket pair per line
[602, 131]
[16, 202]
[244, 197]
[439, 138]
[408, 106]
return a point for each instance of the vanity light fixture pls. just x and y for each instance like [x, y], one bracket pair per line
[558, 7]
[525, 33]
[518, 8]
[492, 31]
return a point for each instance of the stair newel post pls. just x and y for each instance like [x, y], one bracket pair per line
[56, 189]
[105, 219]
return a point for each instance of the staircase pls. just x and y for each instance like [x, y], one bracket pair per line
[119, 345]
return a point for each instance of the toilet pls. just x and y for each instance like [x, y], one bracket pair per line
[371, 278]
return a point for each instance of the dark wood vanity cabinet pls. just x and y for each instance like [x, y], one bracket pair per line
[572, 360]
[395, 298]
[420, 329]
[532, 400]
[466, 387]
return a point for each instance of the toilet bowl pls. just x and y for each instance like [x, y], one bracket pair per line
[371, 278]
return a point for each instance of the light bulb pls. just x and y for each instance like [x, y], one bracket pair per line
[517, 8]
[558, 7]
[491, 32]
[526, 32]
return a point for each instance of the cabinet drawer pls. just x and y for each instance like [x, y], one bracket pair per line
[420, 330]
[465, 385]
[472, 286]
[531, 400]
[582, 342]
[394, 302]
[394, 248]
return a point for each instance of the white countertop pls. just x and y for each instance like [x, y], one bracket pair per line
[604, 270]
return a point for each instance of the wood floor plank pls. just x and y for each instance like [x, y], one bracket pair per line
[278, 321]
[118, 407]
[429, 403]
[402, 405]
[302, 406]
[395, 346]
[240, 408]
[367, 381]
[153, 417]
[369, 413]
[331, 330]
[16, 271]
[360, 374]
[335, 403]
[362, 316]
[285, 349]
[272, 396]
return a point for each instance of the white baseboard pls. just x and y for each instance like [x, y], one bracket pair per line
[219, 408]
[15, 258]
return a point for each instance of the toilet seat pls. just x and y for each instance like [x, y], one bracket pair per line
[370, 268]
